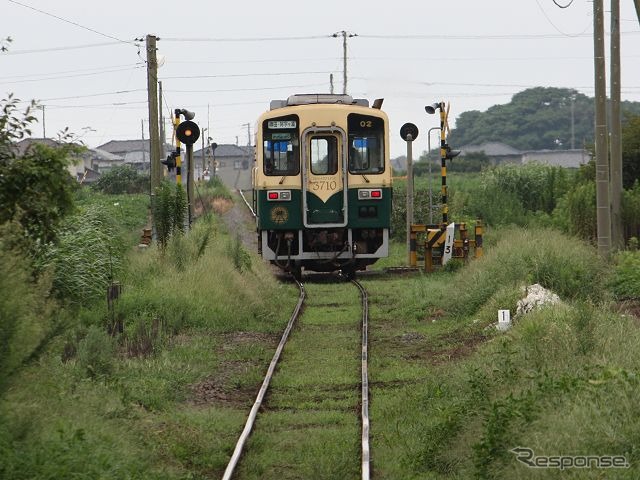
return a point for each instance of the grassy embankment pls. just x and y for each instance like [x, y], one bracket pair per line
[167, 396]
[164, 394]
[451, 396]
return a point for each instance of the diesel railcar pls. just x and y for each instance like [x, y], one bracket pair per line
[322, 183]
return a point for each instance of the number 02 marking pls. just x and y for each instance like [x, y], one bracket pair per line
[366, 124]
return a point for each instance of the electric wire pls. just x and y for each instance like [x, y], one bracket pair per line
[246, 39]
[239, 75]
[59, 49]
[59, 77]
[69, 71]
[71, 22]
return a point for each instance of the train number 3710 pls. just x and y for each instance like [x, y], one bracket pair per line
[324, 185]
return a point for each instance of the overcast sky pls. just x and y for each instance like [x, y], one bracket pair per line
[471, 53]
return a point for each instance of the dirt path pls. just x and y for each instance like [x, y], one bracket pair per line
[239, 221]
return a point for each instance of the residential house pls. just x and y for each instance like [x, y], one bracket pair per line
[233, 164]
[500, 153]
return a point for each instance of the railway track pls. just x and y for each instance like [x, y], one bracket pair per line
[241, 445]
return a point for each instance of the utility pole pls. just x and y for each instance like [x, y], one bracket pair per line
[204, 166]
[44, 128]
[603, 208]
[344, 34]
[617, 232]
[248, 134]
[163, 138]
[331, 84]
[152, 95]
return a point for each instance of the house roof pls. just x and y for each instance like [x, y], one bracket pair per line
[119, 146]
[230, 150]
[490, 148]
[102, 155]
[24, 144]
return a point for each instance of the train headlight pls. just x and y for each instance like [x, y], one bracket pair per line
[279, 195]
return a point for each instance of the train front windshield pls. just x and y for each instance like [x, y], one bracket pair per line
[366, 144]
[281, 147]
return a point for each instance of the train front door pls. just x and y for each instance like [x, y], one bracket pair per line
[324, 178]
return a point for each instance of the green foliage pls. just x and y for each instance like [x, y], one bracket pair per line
[14, 126]
[471, 162]
[625, 282]
[122, 179]
[631, 149]
[240, 257]
[96, 353]
[577, 211]
[26, 313]
[85, 258]
[535, 119]
[536, 186]
[556, 261]
[37, 190]
[169, 211]
[631, 211]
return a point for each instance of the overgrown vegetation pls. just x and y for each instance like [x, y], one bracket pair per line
[122, 179]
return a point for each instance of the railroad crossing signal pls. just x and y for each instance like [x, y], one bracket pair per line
[170, 162]
[188, 132]
[409, 129]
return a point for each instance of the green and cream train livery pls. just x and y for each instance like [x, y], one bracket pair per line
[322, 183]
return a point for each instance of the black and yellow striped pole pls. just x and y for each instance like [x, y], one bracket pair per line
[445, 154]
[443, 164]
[176, 122]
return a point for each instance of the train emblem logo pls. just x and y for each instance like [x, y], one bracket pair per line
[279, 214]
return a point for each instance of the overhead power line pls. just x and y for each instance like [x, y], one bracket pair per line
[62, 72]
[258, 89]
[59, 49]
[233, 75]
[71, 22]
[89, 95]
[483, 37]
[72, 75]
[246, 39]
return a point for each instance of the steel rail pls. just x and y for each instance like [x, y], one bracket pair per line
[237, 452]
[365, 382]
[246, 203]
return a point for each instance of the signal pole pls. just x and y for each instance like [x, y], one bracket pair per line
[152, 95]
[603, 208]
[617, 233]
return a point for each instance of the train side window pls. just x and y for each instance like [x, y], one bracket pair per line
[324, 155]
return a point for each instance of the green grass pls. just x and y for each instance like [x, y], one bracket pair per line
[309, 427]
[450, 396]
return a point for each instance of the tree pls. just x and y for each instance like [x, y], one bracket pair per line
[536, 118]
[35, 187]
[630, 150]
[122, 179]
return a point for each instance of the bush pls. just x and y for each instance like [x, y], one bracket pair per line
[563, 264]
[26, 312]
[625, 283]
[96, 352]
[122, 179]
[86, 257]
[169, 211]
